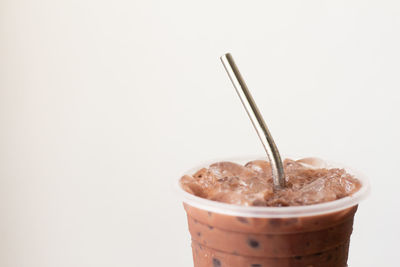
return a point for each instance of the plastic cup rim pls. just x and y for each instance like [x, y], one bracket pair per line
[274, 212]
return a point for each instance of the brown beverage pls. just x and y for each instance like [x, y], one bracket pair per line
[309, 223]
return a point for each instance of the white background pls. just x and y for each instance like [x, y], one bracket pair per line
[104, 103]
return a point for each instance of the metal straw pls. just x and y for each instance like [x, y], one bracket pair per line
[274, 157]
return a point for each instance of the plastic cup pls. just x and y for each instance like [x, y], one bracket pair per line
[227, 235]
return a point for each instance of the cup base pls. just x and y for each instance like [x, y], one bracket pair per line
[204, 256]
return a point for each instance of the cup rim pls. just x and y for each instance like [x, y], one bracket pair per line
[274, 212]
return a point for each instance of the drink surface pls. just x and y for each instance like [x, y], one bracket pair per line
[307, 182]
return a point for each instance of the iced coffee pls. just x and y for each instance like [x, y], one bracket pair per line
[238, 233]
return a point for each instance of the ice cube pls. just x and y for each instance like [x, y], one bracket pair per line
[315, 186]
[260, 166]
[195, 189]
[312, 163]
[226, 169]
[255, 185]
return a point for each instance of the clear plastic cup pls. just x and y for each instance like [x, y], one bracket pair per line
[227, 235]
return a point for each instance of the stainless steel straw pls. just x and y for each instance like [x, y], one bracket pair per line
[274, 157]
